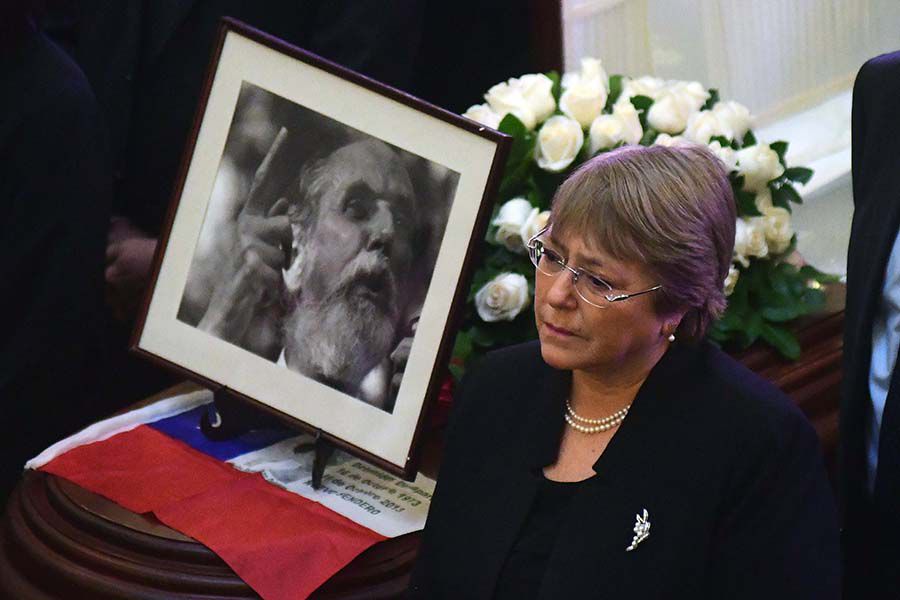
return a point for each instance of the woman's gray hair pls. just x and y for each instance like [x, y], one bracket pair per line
[670, 208]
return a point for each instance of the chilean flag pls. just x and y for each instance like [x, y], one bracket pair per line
[247, 499]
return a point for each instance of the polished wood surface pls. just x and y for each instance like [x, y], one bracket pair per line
[60, 541]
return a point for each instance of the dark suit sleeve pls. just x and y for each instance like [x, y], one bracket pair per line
[451, 476]
[857, 128]
[776, 534]
[55, 192]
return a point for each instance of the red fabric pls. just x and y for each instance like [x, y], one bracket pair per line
[142, 469]
[281, 544]
[440, 413]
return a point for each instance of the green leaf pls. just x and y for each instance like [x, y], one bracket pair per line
[521, 156]
[642, 102]
[746, 204]
[798, 174]
[546, 183]
[615, 90]
[789, 194]
[810, 272]
[783, 195]
[781, 339]
[781, 314]
[556, 90]
[752, 329]
[648, 137]
[462, 347]
[749, 139]
[457, 371]
[723, 141]
[711, 101]
[511, 125]
[732, 320]
[780, 149]
[813, 300]
[481, 336]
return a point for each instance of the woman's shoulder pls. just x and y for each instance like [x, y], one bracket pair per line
[505, 380]
[507, 372]
[519, 359]
[741, 400]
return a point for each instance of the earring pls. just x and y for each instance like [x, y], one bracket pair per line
[671, 337]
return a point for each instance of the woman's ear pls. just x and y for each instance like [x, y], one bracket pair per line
[672, 322]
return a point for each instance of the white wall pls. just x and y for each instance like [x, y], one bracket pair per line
[775, 56]
[792, 62]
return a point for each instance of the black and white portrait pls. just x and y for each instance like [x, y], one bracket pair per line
[317, 247]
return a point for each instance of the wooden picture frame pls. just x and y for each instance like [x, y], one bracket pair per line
[323, 229]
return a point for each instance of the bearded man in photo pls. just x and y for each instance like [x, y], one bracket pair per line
[324, 279]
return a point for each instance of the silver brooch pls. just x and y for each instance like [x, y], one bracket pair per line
[641, 530]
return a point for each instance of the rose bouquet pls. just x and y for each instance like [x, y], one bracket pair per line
[557, 124]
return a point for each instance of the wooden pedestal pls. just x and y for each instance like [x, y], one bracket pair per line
[60, 541]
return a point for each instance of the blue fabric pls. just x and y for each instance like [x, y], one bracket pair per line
[885, 342]
[186, 427]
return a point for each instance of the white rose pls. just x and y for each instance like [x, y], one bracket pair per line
[591, 70]
[583, 102]
[538, 92]
[502, 298]
[507, 98]
[664, 139]
[758, 164]
[731, 279]
[643, 86]
[750, 239]
[483, 114]
[675, 104]
[763, 199]
[703, 125]
[509, 222]
[623, 125]
[668, 114]
[727, 155]
[584, 94]
[778, 228]
[558, 143]
[733, 117]
[529, 98]
[535, 222]
[691, 94]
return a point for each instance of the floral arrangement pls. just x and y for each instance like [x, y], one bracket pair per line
[558, 123]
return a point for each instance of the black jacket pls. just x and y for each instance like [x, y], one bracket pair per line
[728, 469]
[55, 193]
[876, 216]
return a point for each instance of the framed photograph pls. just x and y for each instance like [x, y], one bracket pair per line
[319, 245]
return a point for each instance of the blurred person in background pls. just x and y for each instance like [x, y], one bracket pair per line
[870, 403]
[55, 190]
[146, 63]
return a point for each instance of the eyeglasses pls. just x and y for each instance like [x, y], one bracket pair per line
[591, 288]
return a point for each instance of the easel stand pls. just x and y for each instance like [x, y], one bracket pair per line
[229, 416]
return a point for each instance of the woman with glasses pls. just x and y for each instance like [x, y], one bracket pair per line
[622, 455]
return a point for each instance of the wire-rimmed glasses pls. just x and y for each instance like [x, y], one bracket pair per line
[591, 288]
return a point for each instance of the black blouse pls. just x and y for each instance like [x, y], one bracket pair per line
[524, 568]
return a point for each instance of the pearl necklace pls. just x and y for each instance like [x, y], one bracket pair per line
[584, 425]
